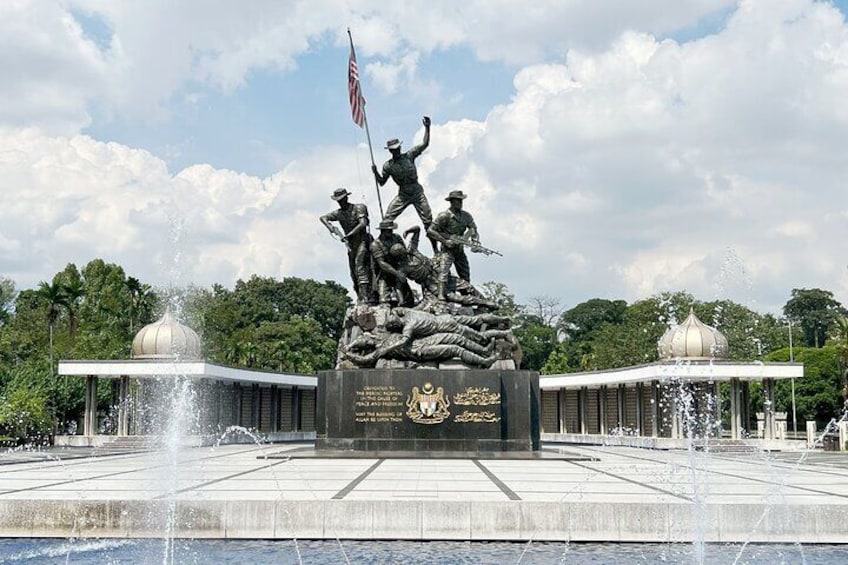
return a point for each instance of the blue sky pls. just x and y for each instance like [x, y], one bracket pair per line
[613, 149]
[277, 113]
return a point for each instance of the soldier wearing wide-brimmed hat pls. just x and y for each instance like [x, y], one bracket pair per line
[392, 285]
[451, 224]
[353, 219]
[401, 169]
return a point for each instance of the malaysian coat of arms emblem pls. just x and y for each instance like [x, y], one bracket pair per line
[428, 405]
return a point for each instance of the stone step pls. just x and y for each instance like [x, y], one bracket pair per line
[131, 443]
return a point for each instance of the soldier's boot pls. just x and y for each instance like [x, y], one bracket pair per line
[441, 291]
[363, 293]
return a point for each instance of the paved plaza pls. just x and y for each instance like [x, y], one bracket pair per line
[600, 494]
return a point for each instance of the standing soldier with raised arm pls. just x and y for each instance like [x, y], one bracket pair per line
[353, 218]
[401, 169]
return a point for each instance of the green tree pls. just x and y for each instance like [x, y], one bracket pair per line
[228, 319]
[7, 298]
[634, 340]
[23, 413]
[499, 294]
[750, 335]
[557, 361]
[546, 309]
[819, 393]
[104, 329]
[134, 288]
[53, 296]
[537, 342]
[74, 290]
[296, 345]
[580, 323]
[815, 310]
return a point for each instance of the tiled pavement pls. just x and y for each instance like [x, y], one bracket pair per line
[608, 475]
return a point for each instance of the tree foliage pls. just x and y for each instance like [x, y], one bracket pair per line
[815, 310]
[245, 326]
[7, 298]
[292, 325]
[819, 394]
[24, 414]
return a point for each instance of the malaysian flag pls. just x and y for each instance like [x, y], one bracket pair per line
[357, 101]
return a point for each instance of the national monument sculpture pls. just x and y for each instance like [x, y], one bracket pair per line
[425, 363]
[447, 320]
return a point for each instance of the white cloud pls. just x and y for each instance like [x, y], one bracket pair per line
[154, 50]
[390, 76]
[50, 71]
[655, 157]
[628, 166]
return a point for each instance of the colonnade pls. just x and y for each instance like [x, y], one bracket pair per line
[654, 409]
[137, 406]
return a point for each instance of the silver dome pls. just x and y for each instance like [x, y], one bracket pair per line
[692, 339]
[166, 339]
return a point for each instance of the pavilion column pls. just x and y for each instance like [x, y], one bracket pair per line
[123, 406]
[640, 422]
[137, 419]
[89, 425]
[219, 394]
[735, 412]
[561, 411]
[237, 404]
[622, 412]
[275, 409]
[716, 392]
[655, 409]
[675, 418]
[768, 408]
[255, 405]
[581, 409]
[295, 409]
[602, 409]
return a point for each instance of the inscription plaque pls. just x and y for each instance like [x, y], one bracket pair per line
[426, 410]
[378, 404]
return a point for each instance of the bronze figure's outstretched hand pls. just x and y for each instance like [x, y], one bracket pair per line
[377, 176]
[426, 121]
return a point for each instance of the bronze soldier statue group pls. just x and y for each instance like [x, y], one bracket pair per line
[390, 325]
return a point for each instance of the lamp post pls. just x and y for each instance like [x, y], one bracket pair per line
[792, 360]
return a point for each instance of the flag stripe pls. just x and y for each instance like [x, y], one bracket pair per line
[357, 101]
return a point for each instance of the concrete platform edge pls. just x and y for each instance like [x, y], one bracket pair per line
[425, 520]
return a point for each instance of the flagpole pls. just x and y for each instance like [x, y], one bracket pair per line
[367, 129]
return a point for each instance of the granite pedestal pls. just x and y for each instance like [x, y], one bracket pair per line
[420, 410]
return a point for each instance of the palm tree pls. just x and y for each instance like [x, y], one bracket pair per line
[142, 300]
[840, 335]
[54, 295]
[134, 287]
[233, 354]
[74, 290]
[249, 354]
[281, 353]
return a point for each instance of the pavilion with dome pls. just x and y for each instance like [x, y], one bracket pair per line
[276, 405]
[662, 404]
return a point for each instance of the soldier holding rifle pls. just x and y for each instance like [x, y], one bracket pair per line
[454, 229]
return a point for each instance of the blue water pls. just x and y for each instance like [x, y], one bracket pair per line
[208, 552]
